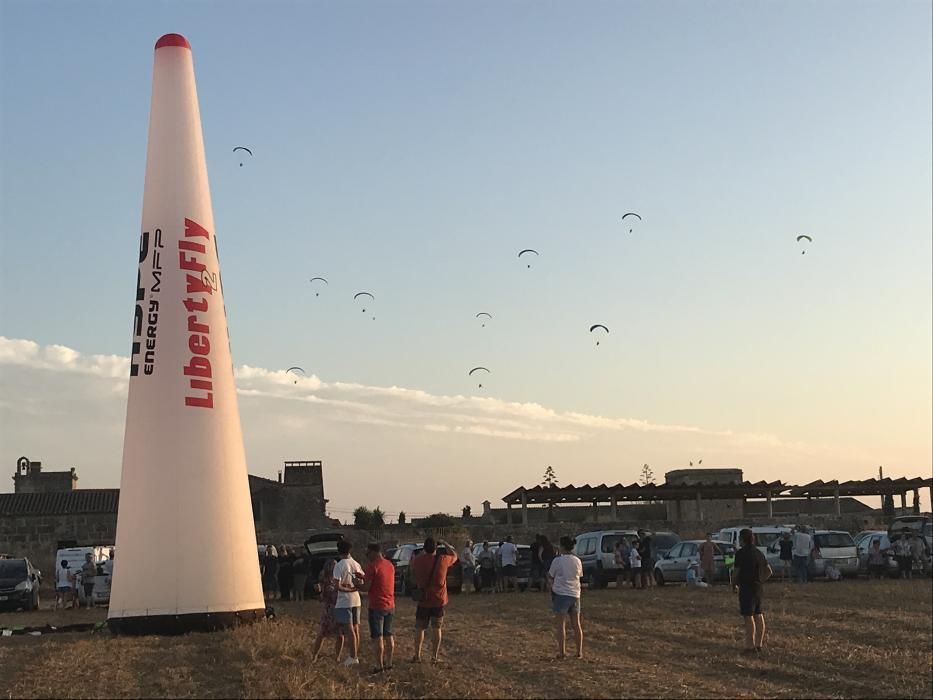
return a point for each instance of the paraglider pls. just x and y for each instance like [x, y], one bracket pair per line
[243, 148]
[479, 369]
[484, 314]
[296, 372]
[598, 325]
[802, 237]
[528, 250]
[365, 294]
[318, 279]
[628, 214]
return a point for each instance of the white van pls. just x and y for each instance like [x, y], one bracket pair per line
[765, 535]
[836, 547]
[75, 557]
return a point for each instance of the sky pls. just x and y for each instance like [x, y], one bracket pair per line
[411, 150]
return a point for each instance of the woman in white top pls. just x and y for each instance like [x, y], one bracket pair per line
[564, 579]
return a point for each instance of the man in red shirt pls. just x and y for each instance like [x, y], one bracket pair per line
[380, 583]
[430, 574]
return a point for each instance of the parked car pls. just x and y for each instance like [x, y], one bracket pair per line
[836, 547]
[730, 535]
[865, 541]
[75, 556]
[404, 580]
[596, 551]
[673, 566]
[522, 568]
[319, 548]
[19, 585]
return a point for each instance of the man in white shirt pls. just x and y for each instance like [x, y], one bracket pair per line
[564, 579]
[801, 552]
[468, 563]
[509, 553]
[348, 577]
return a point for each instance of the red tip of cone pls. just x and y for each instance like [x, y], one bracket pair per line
[173, 40]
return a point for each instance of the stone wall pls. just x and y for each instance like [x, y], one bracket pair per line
[39, 537]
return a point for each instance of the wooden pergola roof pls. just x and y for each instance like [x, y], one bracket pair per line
[678, 492]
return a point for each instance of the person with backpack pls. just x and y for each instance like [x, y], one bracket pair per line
[430, 571]
[751, 571]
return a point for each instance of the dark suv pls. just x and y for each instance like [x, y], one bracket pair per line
[19, 585]
[401, 557]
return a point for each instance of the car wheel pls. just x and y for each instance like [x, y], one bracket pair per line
[658, 577]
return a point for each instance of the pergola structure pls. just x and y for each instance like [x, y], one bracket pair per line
[768, 490]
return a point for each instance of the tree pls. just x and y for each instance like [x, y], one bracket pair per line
[550, 477]
[436, 520]
[401, 518]
[647, 476]
[378, 518]
[363, 518]
[466, 512]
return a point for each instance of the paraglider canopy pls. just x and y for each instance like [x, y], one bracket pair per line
[318, 279]
[364, 294]
[483, 314]
[526, 251]
[806, 238]
[296, 372]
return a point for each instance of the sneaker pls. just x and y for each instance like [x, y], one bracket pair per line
[350, 661]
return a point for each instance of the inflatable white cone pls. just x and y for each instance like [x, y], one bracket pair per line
[186, 548]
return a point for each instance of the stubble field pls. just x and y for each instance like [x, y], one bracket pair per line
[856, 639]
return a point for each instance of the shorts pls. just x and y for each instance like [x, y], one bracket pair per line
[564, 604]
[509, 571]
[64, 589]
[380, 622]
[434, 616]
[749, 601]
[347, 616]
[488, 577]
[88, 589]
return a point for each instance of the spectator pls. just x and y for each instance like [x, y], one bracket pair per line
[547, 556]
[877, 559]
[902, 554]
[379, 581]
[564, 579]
[430, 572]
[707, 570]
[500, 579]
[622, 561]
[468, 563]
[787, 555]
[509, 554]
[64, 585]
[270, 572]
[327, 626]
[803, 543]
[348, 577]
[645, 546]
[300, 568]
[487, 568]
[635, 565]
[751, 571]
[286, 575]
[536, 574]
[88, 574]
[108, 565]
[917, 551]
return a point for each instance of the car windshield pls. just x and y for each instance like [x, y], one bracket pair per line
[665, 540]
[766, 538]
[325, 547]
[609, 543]
[834, 539]
[12, 568]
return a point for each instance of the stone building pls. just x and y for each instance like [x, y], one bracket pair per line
[709, 508]
[47, 512]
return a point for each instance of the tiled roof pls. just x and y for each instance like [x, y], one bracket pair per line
[60, 503]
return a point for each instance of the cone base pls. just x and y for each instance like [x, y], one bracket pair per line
[182, 624]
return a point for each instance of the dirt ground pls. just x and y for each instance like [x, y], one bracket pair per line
[854, 639]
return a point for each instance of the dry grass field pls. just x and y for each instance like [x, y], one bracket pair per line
[855, 639]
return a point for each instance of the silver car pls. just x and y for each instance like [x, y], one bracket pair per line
[672, 568]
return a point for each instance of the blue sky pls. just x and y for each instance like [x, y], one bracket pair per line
[411, 149]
